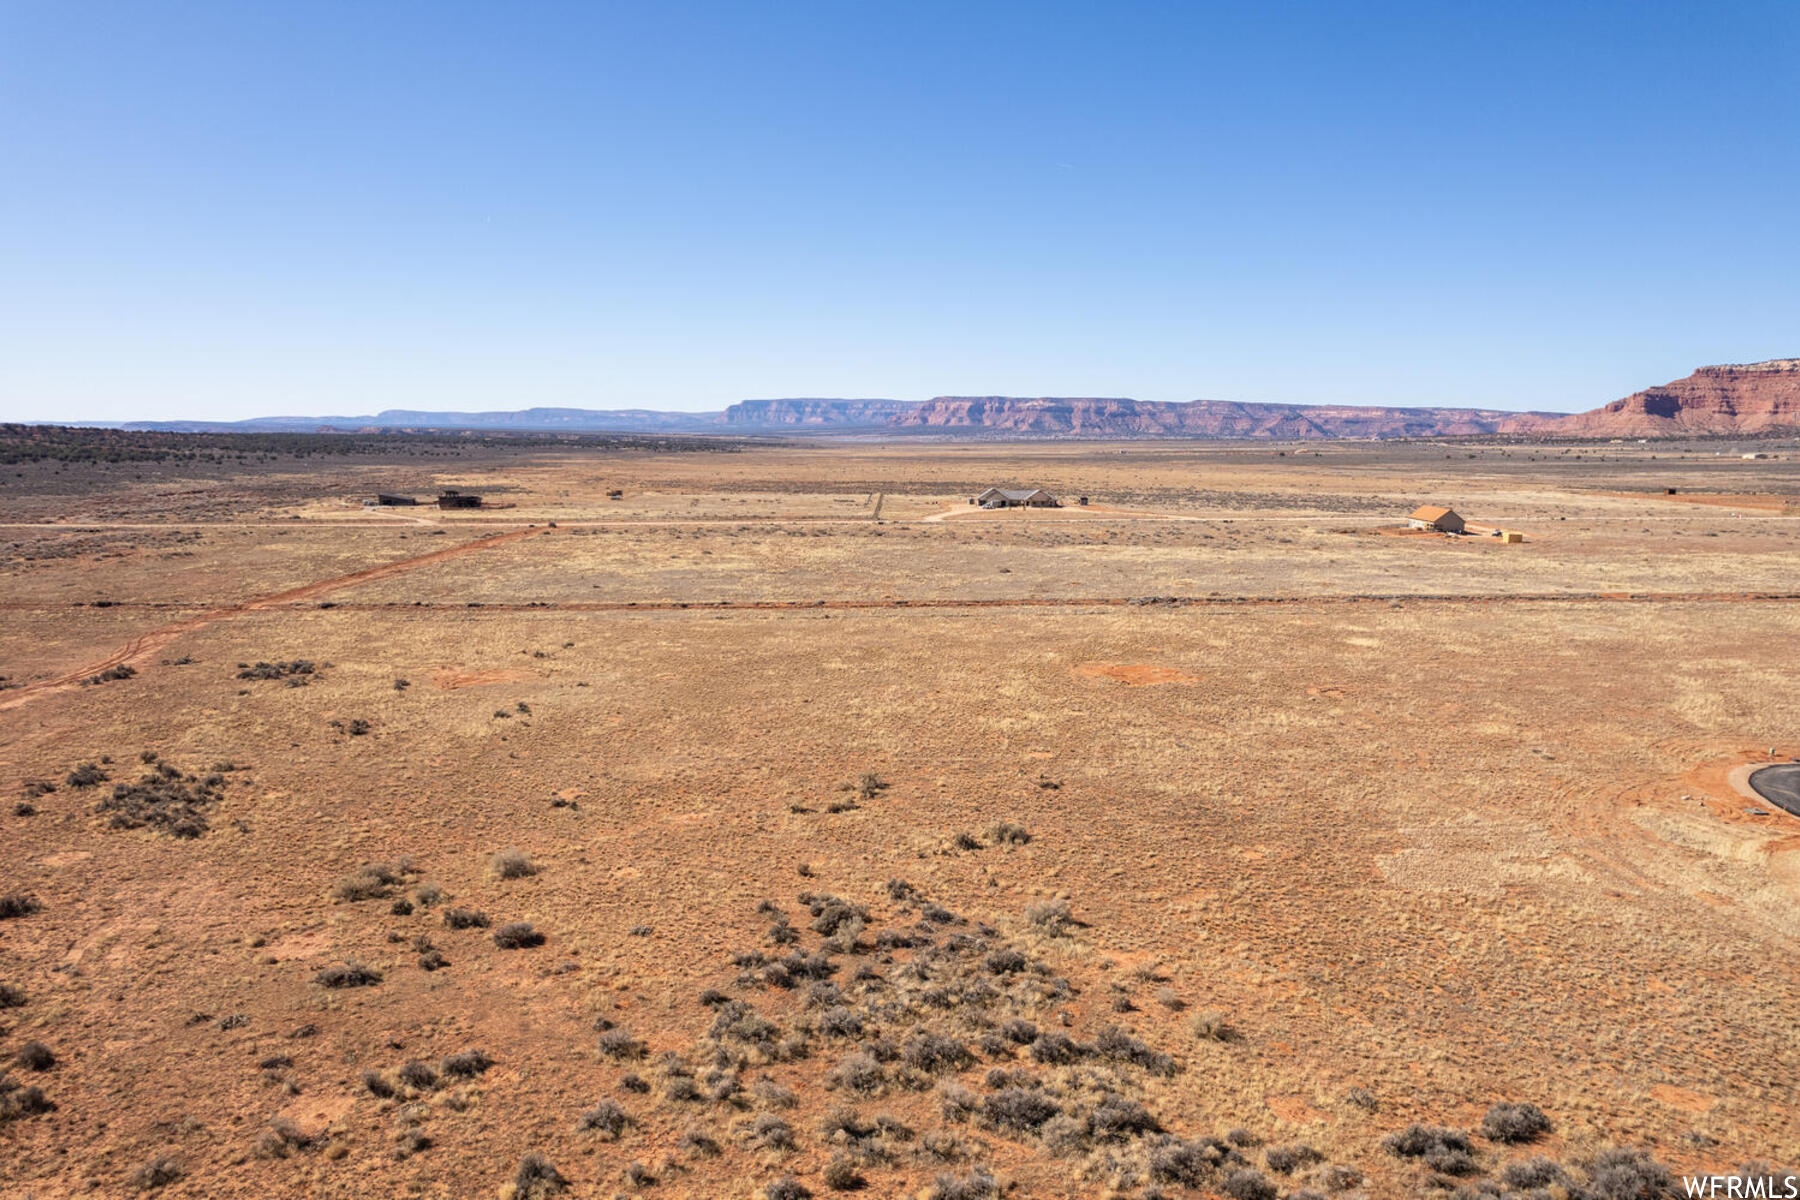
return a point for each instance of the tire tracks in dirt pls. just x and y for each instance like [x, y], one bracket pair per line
[148, 643]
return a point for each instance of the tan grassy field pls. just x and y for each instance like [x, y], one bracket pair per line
[1354, 830]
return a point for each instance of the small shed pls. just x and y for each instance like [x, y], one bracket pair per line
[452, 498]
[390, 500]
[1014, 498]
[1442, 520]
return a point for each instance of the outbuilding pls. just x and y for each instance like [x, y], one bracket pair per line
[455, 499]
[1442, 520]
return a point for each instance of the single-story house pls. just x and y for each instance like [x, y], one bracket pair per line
[1014, 498]
[455, 499]
[1440, 519]
[390, 500]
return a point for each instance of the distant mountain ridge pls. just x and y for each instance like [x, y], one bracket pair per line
[1740, 398]
[1111, 417]
[535, 420]
[1119, 417]
[815, 412]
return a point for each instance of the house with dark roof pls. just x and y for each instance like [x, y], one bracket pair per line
[1014, 498]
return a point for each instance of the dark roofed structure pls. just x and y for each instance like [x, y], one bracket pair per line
[1014, 498]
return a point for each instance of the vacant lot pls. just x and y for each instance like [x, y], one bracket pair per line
[1211, 830]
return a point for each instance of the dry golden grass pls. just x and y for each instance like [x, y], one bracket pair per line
[1448, 851]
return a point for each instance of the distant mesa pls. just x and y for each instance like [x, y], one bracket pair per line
[1737, 398]
[815, 412]
[1119, 417]
[1743, 398]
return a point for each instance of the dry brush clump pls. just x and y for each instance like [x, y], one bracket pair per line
[373, 881]
[512, 863]
[18, 1101]
[297, 672]
[165, 800]
[14, 906]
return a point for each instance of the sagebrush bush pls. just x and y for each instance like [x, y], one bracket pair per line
[512, 864]
[1625, 1174]
[536, 1178]
[1006, 833]
[1535, 1172]
[465, 918]
[769, 1132]
[347, 975]
[1051, 918]
[35, 1056]
[466, 1065]
[936, 1053]
[977, 1185]
[1116, 1118]
[87, 775]
[421, 1077]
[841, 1174]
[1249, 1184]
[605, 1118]
[698, 1143]
[787, 1188]
[1019, 1109]
[1285, 1160]
[1212, 1025]
[12, 907]
[518, 935]
[618, 1044]
[1512, 1122]
[373, 881]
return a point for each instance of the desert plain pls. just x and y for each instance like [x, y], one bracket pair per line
[1195, 841]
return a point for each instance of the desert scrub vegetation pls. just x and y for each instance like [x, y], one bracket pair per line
[35, 1056]
[347, 975]
[465, 918]
[14, 906]
[373, 881]
[119, 671]
[619, 1045]
[517, 935]
[165, 800]
[1007, 833]
[536, 1179]
[1511, 1123]
[511, 864]
[466, 1065]
[297, 672]
[18, 1101]
[606, 1118]
[1446, 1151]
[1051, 918]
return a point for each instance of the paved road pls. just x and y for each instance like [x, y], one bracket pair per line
[1779, 785]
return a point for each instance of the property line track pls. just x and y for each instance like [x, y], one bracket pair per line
[141, 647]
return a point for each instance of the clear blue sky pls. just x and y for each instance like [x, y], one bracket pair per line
[234, 209]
